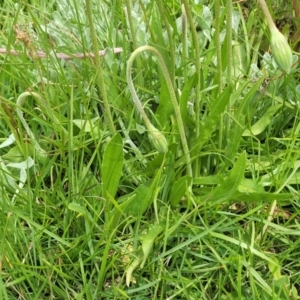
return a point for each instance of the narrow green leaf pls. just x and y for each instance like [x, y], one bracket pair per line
[241, 244]
[165, 107]
[208, 180]
[77, 208]
[148, 241]
[141, 201]
[228, 187]
[185, 96]
[261, 281]
[275, 268]
[209, 124]
[117, 212]
[134, 264]
[237, 128]
[262, 123]
[145, 194]
[112, 164]
[260, 197]
[179, 188]
[250, 186]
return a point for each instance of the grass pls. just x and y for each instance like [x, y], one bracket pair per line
[98, 212]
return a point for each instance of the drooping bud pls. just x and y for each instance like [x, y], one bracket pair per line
[157, 139]
[281, 50]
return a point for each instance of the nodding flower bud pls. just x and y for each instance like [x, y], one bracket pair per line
[281, 50]
[157, 139]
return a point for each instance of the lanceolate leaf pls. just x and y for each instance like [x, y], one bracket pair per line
[148, 240]
[262, 123]
[111, 167]
[141, 200]
[165, 108]
[217, 108]
[179, 188]
[145, 195]
[185, 95]
[225, 191]
[237, 129]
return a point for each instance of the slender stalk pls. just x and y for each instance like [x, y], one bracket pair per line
[100, 78]
[133, 36]
[267, 14]
[130, 23]
[229, 60]
[58, 55]
[175, 104]
[229, 40]
[184, 42]
[20, 101]
[196, 165]
[219, 64]
[171, 44]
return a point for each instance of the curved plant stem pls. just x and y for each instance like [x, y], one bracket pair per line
[175, 104]
[46, 107]
[267, 14]
[101, 84]
[196, 165]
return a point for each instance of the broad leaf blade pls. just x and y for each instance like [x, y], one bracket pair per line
[112, 166]
[225, 191]
[179, 188]
[141, 201]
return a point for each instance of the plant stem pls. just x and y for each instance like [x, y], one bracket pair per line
[100, 78]
[229, 60]
[175, 104]
[184, 42]
[219, 64]
[267, 14]
[59, 55]
[196, 165]
[130, 23]
[133, 36]
[229, 40]
[171, 44]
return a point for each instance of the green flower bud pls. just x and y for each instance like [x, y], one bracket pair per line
[157, 139]
[281, 50]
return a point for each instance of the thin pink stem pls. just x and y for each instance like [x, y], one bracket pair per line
[64, 56]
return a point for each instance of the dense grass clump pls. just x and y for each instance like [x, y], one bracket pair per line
[149, 150]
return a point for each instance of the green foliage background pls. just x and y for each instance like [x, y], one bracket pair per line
[90, 209]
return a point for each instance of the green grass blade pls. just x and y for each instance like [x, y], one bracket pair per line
[209, 124]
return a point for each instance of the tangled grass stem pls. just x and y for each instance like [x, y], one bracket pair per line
[175, 104]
